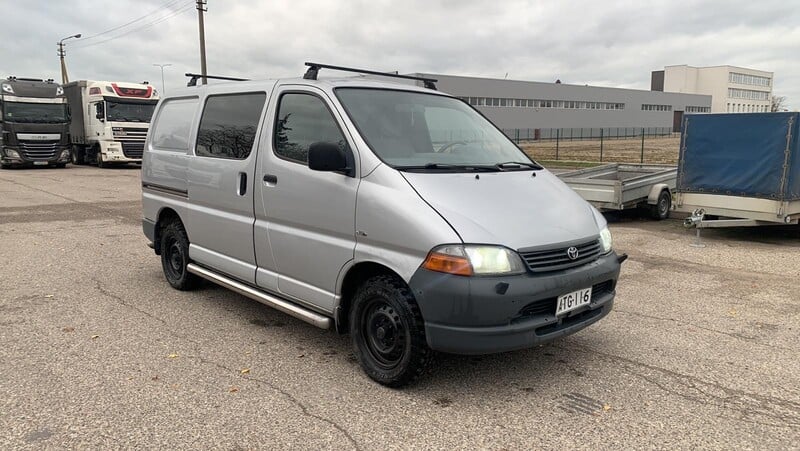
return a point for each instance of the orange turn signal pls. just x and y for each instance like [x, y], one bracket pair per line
[449, 264]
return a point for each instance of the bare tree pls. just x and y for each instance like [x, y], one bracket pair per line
[777, 103]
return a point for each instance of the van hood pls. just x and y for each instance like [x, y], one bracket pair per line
[513, 209]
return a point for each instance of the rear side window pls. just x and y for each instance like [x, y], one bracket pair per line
[228, 126]
[304, 119]
[173, 125]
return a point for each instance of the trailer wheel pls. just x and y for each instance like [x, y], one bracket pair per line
[661, 209]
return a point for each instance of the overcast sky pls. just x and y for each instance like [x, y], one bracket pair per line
[605, 43]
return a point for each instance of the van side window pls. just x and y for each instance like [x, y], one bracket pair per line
[303, 119]
[173, 124]
[228, 126]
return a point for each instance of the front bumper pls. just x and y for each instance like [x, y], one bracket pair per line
[26, 158]
[483, 315]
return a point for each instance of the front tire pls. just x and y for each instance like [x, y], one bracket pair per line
[388, 332]
[175, 257]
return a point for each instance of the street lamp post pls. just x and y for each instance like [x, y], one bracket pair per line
[64, 77]
[163, 86]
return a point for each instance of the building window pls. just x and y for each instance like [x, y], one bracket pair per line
[747, 94]
[544, 103]
[699, 109]
[648, 107]
[744, 79]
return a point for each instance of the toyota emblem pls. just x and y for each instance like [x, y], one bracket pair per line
[573, 253]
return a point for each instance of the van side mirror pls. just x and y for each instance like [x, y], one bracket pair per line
[327, 156]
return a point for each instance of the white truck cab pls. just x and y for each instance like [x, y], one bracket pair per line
[109, 120]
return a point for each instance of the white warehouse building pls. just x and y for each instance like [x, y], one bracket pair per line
[534, 110]
[732, 89]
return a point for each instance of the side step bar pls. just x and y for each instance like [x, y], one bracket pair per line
[301, 313]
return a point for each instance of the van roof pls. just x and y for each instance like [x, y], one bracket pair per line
[372, 81]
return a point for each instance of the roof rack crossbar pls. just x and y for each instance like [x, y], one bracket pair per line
[194, 77]
[313, 71]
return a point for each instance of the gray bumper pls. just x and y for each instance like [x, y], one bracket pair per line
[149, 228]
[483, 315]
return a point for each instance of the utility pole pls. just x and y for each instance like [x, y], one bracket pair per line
[163, 86]
[201, 8]
[61, 54]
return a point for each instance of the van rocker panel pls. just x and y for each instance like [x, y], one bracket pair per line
[484, 315]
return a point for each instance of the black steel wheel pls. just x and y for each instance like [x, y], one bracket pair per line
[388, 332]
[175, 257]
[661, 209]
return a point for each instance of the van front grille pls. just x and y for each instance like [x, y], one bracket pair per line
[558, 258]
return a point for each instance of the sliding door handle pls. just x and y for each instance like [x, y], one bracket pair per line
[271, 179]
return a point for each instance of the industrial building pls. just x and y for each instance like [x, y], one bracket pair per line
[733, 89]
[542, 110]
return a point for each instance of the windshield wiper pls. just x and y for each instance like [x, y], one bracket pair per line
[516, 164]
[450, 167]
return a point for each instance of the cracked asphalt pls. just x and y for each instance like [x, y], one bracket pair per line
[97, 351]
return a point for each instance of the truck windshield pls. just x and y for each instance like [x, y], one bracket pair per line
[429, 132]
[117, 111]
[43, 113]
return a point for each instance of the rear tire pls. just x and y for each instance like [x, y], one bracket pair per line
[78, 156]
[61, 165]
[660, 210]
[388, 332]
[175, 257]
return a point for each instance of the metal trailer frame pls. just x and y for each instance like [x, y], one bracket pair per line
[743, 211]
[605, 187]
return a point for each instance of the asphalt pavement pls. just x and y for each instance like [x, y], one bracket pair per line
[97, 351]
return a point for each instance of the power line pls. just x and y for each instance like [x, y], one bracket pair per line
[183, 10]
[168, 5]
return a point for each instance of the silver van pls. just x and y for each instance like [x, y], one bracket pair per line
[384, 209]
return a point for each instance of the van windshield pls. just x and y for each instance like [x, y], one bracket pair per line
[418, 131]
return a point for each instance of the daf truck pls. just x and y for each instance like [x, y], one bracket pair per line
[34, 123]
[109, 120]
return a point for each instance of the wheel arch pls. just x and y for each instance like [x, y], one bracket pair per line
[655, 191]
[165, 216]
[354, 276]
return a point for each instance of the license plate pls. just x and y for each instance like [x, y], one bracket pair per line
[572, 301]
[40, 163]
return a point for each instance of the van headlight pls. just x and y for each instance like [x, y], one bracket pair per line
[605, 240]
[470, 259]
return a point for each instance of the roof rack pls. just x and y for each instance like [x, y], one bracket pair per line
[194, 77]
[313, 70]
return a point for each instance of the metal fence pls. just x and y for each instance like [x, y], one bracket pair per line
[573, 134]
[652, 145]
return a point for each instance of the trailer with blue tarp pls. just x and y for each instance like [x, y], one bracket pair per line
[743, 169]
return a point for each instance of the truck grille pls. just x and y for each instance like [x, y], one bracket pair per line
[38, 150]
[556, 259]
[132, 142]
[132, 149]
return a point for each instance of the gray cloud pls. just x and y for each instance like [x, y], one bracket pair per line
[614, 43]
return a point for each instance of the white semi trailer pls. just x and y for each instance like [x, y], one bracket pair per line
[109, 120]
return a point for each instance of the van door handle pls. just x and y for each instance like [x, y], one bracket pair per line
[242, 183]
[269, 178]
